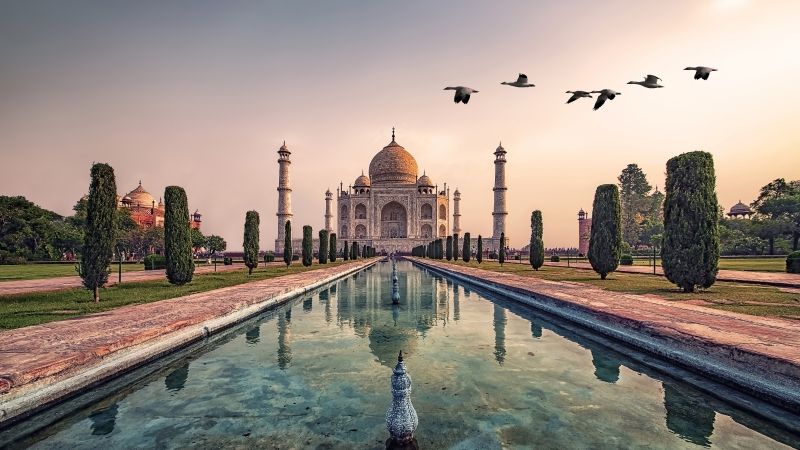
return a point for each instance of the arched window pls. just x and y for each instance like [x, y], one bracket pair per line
[361, 211]
[343, 233]
[442, 212]
[345, 212]
[442, 231]
[361, 232]
[427, 211]
[426, 231]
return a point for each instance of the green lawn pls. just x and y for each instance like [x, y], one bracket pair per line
[746, 264]
[736, 297]
[31, 309]
[39, 271]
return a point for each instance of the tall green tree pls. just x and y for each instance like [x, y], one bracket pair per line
[323, 247]
[779, 203]
[466, 252]
[177, 236]
[502, 253]
[345, 252]
[100, 231]
[690, 253]
[633, 188]
[536, 256]
[287, 243]
[455, 246]
[198, 240]
[308, 250]
[251, 240]
[605, 240]
[449, 248]
[479, 253]
[332, 252]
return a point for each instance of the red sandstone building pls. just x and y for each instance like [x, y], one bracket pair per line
[146, 212]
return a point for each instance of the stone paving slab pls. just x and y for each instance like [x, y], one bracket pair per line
[765, 347]
[58, 283]
[738, 276]
[57, 350]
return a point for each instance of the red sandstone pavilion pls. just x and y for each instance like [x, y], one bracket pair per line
[146, 212]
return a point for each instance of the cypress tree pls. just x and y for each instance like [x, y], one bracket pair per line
[345, 251]
[440, 247]
[467, 252]
[690, 253]
[364, 251]
[100, 229]
[308, 250]
[323, 247]
[479, 254]
[287, 243]
[537, 245]
[449, 248]
[455, 246]
[354, 251]
[332, 251]
[502, 253]
[251, 222]
[177, 236]
[606, 236]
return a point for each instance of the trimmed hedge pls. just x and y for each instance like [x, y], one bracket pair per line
[269, 257]
[555, 258]
[154, 262]
[626, 260]
[793, 262]
[227, 261]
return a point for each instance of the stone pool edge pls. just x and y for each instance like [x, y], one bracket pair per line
[31, 398]
[748, 378]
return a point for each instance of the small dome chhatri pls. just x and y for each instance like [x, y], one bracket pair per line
[393, 164]
[425, 181]
[141, 197]
[362, 181]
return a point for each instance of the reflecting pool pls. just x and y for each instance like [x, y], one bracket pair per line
[487, 374]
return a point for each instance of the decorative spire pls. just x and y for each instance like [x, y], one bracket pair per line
[400, 356]
[392, 134]
[401, 418]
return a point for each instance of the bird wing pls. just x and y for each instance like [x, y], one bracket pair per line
[705, 75]
[459, 96]
[611, 95]
[600, 100]
[698, 74]
[466, 99]
[652, 79]
[523, 79]
[574, 97]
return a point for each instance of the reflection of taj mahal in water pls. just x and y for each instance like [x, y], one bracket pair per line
[392, 209]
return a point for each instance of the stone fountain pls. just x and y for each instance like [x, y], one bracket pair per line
[401, 418]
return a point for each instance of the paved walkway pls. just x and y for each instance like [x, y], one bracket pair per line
[761, 343]
[739, 276]
[57, 350]
[58, 283]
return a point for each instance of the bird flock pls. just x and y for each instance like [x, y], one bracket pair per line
[463, 93]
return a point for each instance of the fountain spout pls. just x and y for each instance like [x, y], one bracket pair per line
[401, 418]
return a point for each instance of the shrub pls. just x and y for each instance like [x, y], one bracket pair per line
[251, 222]
[793, 262]
[154, 262]
[295, 257]
[228, 261]
[332, 250]
[479, 252]
[177, 236]
[555, 258]
[449, 248]
[307, 243]
[323, 247]
[536, 256]
[98, 242]
[492, 255]
[690, 252]
[467, 251]
[455, 246]
[626, 260]
[345, 251]
[606, 237]
[269, 257]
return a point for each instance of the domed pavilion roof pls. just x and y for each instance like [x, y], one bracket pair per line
[740, 208]
[393, 165]
[362, 181]
[425, 181]
[141, 197]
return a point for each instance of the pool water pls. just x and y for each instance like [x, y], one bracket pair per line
[486, 374]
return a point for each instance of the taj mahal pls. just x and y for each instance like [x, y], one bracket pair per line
[393, 208]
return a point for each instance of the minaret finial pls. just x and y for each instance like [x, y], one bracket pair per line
[400, 356]
[392, 133]
[140, 183]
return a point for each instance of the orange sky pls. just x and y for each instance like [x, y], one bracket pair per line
[202, 96]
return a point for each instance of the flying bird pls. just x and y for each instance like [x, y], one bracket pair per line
[604, 94]
[462, 93]
[522, 81]
[650, 81]
[701, 72]
[577, 94]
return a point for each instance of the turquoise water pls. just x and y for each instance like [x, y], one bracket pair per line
[487, 374]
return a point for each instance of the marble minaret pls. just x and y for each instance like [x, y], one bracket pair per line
[456, 212]
[328, 213]
[284, 195]
[499, 214]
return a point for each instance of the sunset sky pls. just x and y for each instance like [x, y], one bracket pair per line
[201, 94]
